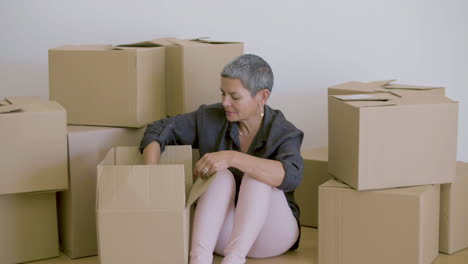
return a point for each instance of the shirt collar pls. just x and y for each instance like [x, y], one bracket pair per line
[262, 133]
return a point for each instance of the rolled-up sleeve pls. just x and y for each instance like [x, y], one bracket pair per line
[177, 130]
[289, 154]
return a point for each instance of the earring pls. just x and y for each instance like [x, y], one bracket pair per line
[261, 112]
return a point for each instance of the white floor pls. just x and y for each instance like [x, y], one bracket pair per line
[306, 254]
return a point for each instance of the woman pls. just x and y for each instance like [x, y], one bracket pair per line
[254, 154]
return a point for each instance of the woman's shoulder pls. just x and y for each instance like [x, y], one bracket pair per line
[214, 112]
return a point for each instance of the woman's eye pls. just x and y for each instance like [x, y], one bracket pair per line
[235, 98]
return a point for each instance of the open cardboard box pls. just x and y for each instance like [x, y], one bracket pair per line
[33, 145]
[108, 85]
[387, 140]
[143, 212]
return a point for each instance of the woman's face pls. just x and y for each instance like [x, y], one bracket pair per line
[238, 102]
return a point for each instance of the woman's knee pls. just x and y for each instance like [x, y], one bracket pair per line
[249, 182]
[224, 177]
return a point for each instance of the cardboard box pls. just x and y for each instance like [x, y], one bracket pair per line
[315, 174]
[87, 147]
[108, 85]
[194, 72]
[385, 226]
[142, 212]
[381, 140]
[354, 87]
[28, 227]
[33, 145]
[454, 212]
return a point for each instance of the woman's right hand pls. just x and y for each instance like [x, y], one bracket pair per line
[152, 153]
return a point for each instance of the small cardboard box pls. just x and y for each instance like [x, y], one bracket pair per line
[382, 140]
[454, 212]
[87, 146]
[104, 85]
[33, 152]
[193, 72]
[28, 227]
[315, 173]
[354, 87]
[386, 226]
[142, 212]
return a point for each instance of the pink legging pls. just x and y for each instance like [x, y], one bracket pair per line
[260, 226]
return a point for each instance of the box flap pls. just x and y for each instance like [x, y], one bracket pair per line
[353, 85]
[9, 109]
[365, 97]
[23, 100]
[188, 43]
[408, 97]
[380, 83]
[208, 41]
[198, 188]
[410, 87]
[159, 42]
[84, 47]
[28, 104]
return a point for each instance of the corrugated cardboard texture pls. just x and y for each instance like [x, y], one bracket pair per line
[194, 73]
[33, 152]
[28, 227]
[374, 146]
[385, 226]
[454, 212]
[354, 87]
[144, 204]
[87, 146]
[109, 86]
[315, 173]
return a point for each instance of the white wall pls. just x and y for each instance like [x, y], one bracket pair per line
[309, 44]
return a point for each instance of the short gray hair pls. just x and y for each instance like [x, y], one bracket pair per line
[253, 71]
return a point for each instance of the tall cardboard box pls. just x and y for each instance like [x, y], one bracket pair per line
[382, 140]
[315, 174]
[108, 85]
[385, 226]
[454, 212]
[354, 87]
[28, 227]
[33, 145]
[87, 147]
[194, 72]
[142, 212]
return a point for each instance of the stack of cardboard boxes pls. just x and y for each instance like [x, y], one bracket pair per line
[111, 93]
[34, 167]
[390, 148]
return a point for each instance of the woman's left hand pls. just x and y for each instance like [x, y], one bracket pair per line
[213, 162]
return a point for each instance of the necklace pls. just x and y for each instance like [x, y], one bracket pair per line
[242, 133]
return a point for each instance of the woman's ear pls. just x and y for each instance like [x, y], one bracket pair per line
[263, 95]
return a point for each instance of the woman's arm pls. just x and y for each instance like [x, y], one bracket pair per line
[265, 170]
[283, 169]
[152, 153]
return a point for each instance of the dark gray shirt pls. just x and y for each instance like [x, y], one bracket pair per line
[208, 130]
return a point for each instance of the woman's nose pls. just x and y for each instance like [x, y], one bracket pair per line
[226, 101]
